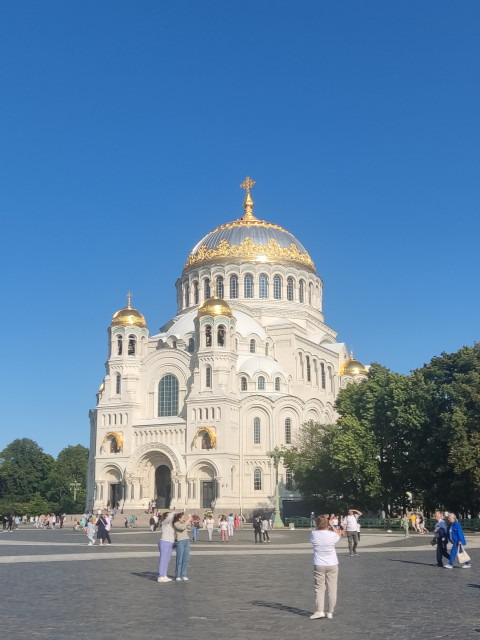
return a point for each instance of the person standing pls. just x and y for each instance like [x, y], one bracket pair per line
[257, 528]
[224, 529]
[404, 524]
[265, 527]
[236, 522]
[101, 530]
[183, 546]
[312, 520]
[457, 538]
[441, 538]
[196, 526]
[351, 527]
[325, 568]
[230, 525]
[165, 546]
[209, 524]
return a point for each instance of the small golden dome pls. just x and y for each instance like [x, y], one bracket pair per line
[128, 316]
[101, 387]
[215, 307]
[353, 367]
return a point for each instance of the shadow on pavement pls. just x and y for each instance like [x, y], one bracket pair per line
[281, 607]
[427, 564]
[146, 575]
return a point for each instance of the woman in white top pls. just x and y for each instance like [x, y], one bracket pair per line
[209, 524]
[325, 567]
[165, 546]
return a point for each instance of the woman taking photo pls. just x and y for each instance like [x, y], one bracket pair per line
[325, 567]
[183, 546]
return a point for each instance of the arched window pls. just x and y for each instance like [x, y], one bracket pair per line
[263, 286]
[200, 414]
[267, 349]
[252, 346]
[219, 286]
[118, 384]
[277, 384]
[248, 286]
[119, 346]
[206, 288]
[309, 369]
[261, 383]
[208, 336]
[233, 286]
[290, 289]
[168, 396]
[257, 480]
[132, 345]
[191, 345]
[213, 413]
[187, 295]
[322, 368]
[221, 336]
[310, 293]
[195, 292]
[206, 414]
[208, 377]
[289, 480]
[256, 431]
[288, 431]
[243, 384]
[277, 287]
[301, 291]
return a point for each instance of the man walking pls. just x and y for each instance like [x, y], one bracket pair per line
[351, 528]
[441, 537]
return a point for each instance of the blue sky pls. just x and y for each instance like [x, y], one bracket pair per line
[126, 129]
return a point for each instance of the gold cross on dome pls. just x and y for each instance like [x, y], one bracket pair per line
[248, 184]
[129, 298]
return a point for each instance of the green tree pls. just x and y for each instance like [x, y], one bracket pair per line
[23, 470]
[66, 483]
[336, 465]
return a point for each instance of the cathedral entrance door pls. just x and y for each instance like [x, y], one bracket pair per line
[163, 486]
[115, 495]
[208, 493]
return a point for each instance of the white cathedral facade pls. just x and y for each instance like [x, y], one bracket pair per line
[188, 415]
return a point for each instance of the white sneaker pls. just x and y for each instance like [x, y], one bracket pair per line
[448, 566]
[317, 614]
[178, 579]
[329, 616]
[167, 579]
[163, 579]
[185, 578]
[467, 565]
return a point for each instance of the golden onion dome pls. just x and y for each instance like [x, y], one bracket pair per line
[250, 239]
[128, 316]
[215, 306]
[353, 367]
[101, 388]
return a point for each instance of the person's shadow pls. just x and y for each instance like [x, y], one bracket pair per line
[281, 607]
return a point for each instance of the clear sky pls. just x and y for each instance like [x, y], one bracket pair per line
[127, 127]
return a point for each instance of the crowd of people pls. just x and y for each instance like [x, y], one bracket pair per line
[43, 521]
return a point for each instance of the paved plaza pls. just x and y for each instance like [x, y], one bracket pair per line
[54, 586]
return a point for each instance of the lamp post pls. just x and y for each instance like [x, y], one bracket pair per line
[74, 486]
[276, 456]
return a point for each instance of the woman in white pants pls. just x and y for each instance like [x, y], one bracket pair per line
[325, 567]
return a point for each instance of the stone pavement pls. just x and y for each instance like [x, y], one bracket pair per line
[54, 586]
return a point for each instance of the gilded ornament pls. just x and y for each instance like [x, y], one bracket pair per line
[210, 431]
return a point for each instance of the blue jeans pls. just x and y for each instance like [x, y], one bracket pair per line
[183, 556]
[195, 532]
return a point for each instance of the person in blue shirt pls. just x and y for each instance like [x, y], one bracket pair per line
[441, 537]
[456, 537]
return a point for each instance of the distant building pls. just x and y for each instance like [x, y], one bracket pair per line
[186, 416]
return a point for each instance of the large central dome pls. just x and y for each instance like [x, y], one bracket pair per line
[251, 239]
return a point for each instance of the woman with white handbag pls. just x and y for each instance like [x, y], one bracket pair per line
[457, 538]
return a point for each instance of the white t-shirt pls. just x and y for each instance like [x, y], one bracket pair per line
[324, 542]
[351, 523]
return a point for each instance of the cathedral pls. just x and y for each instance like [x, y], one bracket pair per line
[187, 416]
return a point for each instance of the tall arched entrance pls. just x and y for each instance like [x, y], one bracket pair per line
[163, 486]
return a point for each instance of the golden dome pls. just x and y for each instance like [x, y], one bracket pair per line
[101, 388]
[249, 239]
[128, 316]
[353, 367]
[215, 307]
